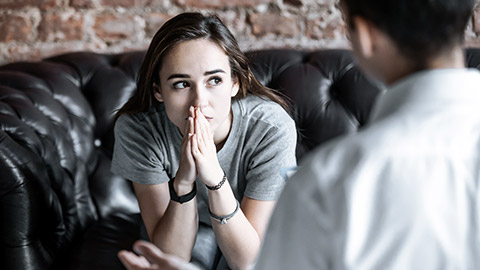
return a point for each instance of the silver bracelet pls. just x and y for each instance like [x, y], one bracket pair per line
[224, 219]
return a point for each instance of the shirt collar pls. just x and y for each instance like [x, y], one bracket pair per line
[426, 88]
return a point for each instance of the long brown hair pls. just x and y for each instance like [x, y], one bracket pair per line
[185, 27]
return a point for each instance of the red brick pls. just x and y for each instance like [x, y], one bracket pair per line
[49, 50]
[82, 3]
[136, 47]
[15, 4]
[221, 3]
[25, 52]
[316, 2]
[20, 52]
[125, 3]
[19, 3]
[58, 27]
[111, 26]
[154, 21]
[296, 3]
[321, 28]
[50, 4]
[234, 21]
[15, 28]
[274, 23]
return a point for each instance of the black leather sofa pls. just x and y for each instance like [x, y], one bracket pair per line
[62, 208]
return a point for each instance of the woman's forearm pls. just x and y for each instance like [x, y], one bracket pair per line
[176, 231]
[237, 239]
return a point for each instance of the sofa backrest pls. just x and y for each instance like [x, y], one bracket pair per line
[55, 147]
[329, 95]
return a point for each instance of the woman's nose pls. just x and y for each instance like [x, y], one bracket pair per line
[200, 97]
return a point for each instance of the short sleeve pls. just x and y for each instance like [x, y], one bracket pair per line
[136, 154]
[274, 153]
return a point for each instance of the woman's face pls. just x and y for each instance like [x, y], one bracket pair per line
[197, 73]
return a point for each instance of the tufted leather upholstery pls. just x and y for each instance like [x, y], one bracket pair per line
[62, 208]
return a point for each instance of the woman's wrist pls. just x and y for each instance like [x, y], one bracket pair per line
[219, 184]
[182, 188]
[224, 219]
[184, 196]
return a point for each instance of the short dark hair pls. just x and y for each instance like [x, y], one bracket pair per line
[420, 28]
[185, 27]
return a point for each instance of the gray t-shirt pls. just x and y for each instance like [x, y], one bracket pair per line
[260, 145]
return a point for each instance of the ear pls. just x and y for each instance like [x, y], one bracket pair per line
[235, 87]
[366, 36]
[157, 92]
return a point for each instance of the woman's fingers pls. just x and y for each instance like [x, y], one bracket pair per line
[190, 133]
[191, 119]
[204, 150]
[202, 129]
[134, 262]
[187, 169]
[199, 137]
[194, 142]
[186, 141]
[160, 259]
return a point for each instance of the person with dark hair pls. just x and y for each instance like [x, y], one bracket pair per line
[403, 192]
[203, 143]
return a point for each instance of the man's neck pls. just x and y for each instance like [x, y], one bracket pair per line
[453, 58]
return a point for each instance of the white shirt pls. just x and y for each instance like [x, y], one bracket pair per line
[402, 193]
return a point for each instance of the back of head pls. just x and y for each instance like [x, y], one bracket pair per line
[421, 29]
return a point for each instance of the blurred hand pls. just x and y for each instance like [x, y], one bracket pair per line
[151, 257]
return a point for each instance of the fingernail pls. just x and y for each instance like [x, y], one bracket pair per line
[137, 250]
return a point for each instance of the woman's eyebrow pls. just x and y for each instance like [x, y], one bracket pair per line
[213, 72]
[173, 76]
[183, 76]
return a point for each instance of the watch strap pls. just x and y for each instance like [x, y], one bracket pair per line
[184, 198]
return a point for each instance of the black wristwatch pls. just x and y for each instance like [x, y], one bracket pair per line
[181, 199]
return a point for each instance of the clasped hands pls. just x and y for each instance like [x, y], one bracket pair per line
[198, 154]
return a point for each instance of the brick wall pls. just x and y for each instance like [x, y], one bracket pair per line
[32, 29]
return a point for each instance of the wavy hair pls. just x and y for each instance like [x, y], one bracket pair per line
[186, 27]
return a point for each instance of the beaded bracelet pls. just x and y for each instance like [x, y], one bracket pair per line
[219, 185]
[224, 219]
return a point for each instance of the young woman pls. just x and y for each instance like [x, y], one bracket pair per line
[204, 144]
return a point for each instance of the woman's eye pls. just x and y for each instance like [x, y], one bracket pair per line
[180, 85]
[215, 81]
